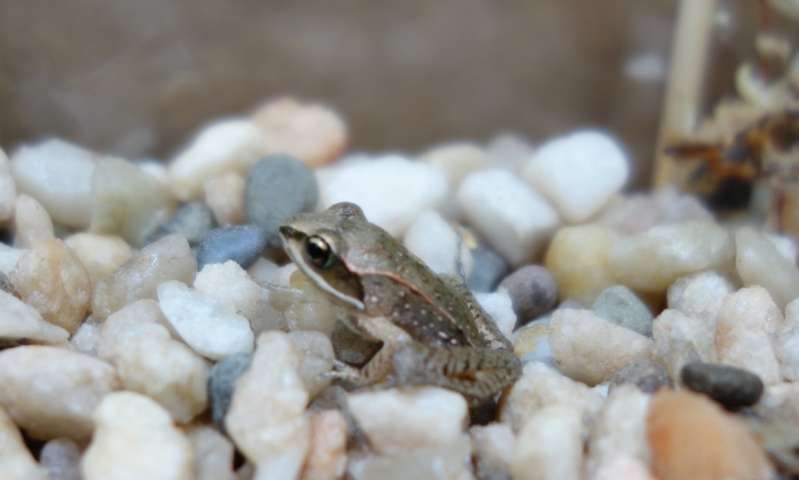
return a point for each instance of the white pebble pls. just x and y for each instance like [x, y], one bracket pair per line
[435, 242]
[760, 263]
[8, 189]
[788, 343]
[398, 421]
[148, 361]
[169, 258]
[208, 326]
[51, 392]
[589, 348]
[499, 307]
[493, 448]
[653, 260]
[267, 420]
[87, 338]
[543, 386]
[578, 172]
[514, 219]
[220, 147]
[550, 445]
[19, 321]
[700, 295]
[16, 462]
[317, 358]
[785, 245]
[681, 339]
[449, 462]
[213, 454]
[135, 438]
[230, 284]
[747, 327]
[9, 257]
[381, 186]
[58, 174]
[620, 429]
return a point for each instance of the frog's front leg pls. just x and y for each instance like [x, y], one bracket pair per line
[477, 373]
[378, 369]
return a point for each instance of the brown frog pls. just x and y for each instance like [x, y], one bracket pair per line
[432, 329]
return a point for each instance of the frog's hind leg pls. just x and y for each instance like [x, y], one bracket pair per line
[474, 372]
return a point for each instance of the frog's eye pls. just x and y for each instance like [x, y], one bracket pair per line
[319, 252]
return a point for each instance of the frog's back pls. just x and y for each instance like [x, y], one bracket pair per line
[434, 309]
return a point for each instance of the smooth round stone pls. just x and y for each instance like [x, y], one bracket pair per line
[278, 187]
[222, 382]
[623, 307]
[489, 268]
[241, 243]
[649, 376]
[193, 220]
[732, 387]
[532, 290]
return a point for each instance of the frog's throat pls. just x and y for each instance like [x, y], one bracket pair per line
[320, 282]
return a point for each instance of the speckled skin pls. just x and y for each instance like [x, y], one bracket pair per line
[432, 329]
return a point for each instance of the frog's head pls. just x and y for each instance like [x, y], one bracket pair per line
[318, 244]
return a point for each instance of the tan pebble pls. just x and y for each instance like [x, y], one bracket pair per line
[51, 279]
[169, 258]
[312, 132]
[327, 456]
[102, 255]
[32, 223]
[578, 258]
[692, 438]
[225, 197]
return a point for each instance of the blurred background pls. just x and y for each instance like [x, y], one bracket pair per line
[138, 78]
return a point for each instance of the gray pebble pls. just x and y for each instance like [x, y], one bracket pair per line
[241, 243]
[193, 220]
[61, 459]
[278, 187]
[221, 383]
[489, 268]
[732, 387]
[532, 290]
[621, 306]
[648, 375]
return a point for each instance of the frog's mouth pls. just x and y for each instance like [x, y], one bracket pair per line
[335, 279]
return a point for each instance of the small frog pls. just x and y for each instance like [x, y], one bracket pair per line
[433, 331]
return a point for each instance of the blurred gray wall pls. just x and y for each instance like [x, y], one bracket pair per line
[138, 77]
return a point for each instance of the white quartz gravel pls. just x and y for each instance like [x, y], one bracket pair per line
[135, 438]
[578, 172]
[397, 421]
[226, 145]
[514, 219]
[58, 174]
[267, 419]
[208, 326]
[431, 238]
[52, 392]
[499, 307]
[391, 190]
